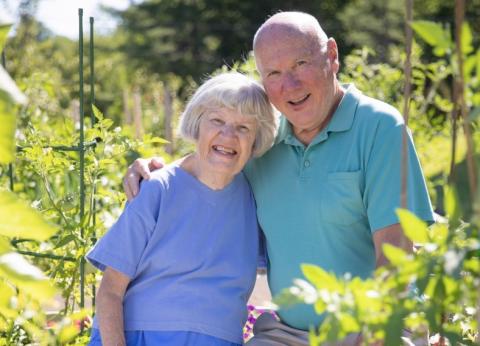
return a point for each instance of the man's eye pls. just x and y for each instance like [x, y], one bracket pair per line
[273, 74]
[301, 62]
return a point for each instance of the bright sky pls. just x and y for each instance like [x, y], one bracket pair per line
[61, 16]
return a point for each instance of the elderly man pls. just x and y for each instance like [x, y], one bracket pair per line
[327, 190]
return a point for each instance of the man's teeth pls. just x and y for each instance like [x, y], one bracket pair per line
[296, 102]
[224, 150]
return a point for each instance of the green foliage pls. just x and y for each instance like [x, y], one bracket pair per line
[381, 25]
[23, 287]
[435, 289]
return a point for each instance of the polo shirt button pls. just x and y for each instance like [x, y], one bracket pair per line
[306, 163]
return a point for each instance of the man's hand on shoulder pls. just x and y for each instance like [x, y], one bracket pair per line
[138, 170]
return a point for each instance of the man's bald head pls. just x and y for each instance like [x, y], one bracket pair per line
[290, 24]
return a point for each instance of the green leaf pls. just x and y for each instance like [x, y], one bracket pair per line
[433, 34]
[395, 255]
[320, 306]
[7, 130]
[432, 315]
[319, 277]
[467, 39]
[68, 333]
[97, 113]
[478, 64]
[439, 292]
[4, 30]
[394, 329]
[451, 203]
[469, 65]
[414, 228]
[20, 220]
[155, 140]
[65, 240]
[106, 162]
[25, 277]
[348, 323]
[439, 233]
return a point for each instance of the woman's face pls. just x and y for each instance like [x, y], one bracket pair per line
[225, 140]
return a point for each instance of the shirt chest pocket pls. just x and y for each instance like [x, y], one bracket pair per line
[342, 202]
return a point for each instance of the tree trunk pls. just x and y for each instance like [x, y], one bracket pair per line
[127, 113]
[137, 113]
[168, 113]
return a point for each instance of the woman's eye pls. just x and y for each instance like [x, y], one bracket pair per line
[243, 129]
[301, 62]
[217, 121]
[273, 74]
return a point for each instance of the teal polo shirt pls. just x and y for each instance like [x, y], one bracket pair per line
[321, 203]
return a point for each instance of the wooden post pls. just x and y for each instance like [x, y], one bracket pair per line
[137, 113]
[460, 99]
[406, 99]
[127, 113]
[168, 114]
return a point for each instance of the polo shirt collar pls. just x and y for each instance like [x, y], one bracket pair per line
[342, 119]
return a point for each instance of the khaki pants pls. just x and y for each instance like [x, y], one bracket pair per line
[270, 332]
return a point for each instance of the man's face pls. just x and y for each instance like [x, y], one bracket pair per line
[298, 77]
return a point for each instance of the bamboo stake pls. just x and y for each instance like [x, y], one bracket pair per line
[406, 99]
[460, 99]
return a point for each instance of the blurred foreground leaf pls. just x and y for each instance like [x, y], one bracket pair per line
[414, 228]
[451, 203]
[19, 220]
[7, 130]
[25, 276]
[4, 29]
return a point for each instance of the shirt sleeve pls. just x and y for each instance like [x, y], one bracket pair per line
[382, 195]
[122, 246]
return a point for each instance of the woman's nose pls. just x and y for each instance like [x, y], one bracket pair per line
[228, 130]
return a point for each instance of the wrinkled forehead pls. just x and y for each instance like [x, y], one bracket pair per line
[282, 45]
[282, 37]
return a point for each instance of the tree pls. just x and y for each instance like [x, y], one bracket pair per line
[193, 38]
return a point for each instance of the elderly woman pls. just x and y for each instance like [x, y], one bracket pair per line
[180, 263]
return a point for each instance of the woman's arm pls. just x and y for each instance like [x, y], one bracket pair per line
[110, 307]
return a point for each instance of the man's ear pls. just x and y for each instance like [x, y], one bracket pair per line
[332, 53]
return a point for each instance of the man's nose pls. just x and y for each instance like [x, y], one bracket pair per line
[291, 81]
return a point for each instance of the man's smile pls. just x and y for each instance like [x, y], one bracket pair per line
[299, 101]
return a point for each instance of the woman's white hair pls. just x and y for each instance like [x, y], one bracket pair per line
[232, 90]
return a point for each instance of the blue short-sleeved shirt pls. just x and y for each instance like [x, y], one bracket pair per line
[320, 204]
[191, 253]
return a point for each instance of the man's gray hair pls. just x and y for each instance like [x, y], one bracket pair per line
[232, 90]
